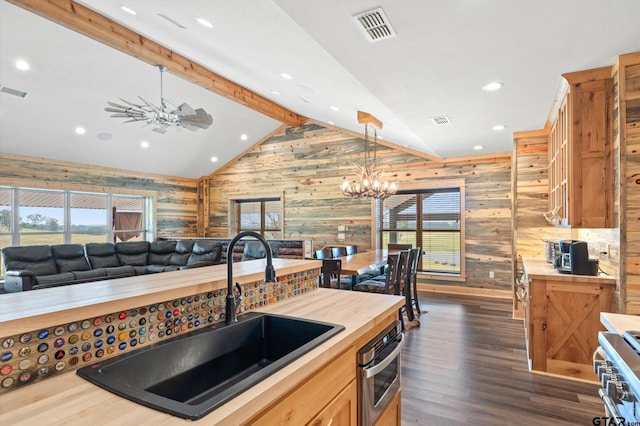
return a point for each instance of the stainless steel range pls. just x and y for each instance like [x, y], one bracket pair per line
[619, 372]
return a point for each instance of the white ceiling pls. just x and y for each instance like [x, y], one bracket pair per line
[444, 52]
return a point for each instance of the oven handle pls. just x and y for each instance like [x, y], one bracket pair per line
[372, 371]
[611, 408]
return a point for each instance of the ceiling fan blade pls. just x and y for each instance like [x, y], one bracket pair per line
[131, 103]
[200, 119]
[184, 110]
[121, 110]
[168, 106]
[115, 105]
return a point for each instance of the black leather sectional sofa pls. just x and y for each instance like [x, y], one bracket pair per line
[42, 266]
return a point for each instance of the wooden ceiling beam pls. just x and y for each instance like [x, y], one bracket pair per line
[365, 117]
[100, 28]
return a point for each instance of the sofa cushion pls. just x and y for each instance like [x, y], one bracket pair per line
[134, 253]
[101, 255]
[160, 252]
[152, 269]
[37, 259]
[54, 280]
[181, 253]
[205, 251]
[92, 274]
[120, 271]
[70, 257]
[253, 250]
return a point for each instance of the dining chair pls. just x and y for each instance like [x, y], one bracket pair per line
[406, 261]
[389, 285]
[330, 275]
[351, 250]
[324, 253]
[395, 246]
[338, 251]
[417, 254]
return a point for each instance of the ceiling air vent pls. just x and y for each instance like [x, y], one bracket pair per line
[14, 92]
[375, 25]
[441, 120]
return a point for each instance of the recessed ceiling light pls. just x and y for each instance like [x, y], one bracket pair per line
[275, 92]
[286, 76]
[22, 65]
[335, 108]
[144, 144]
[244, 137]
[80, 130]
[493, 86]
[478, 147]
[104, 136]
[331, 122]
[214, 159]
[499, 127]
[204, 22]
[128, 10]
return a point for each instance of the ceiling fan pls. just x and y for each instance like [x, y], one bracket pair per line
[164, 116]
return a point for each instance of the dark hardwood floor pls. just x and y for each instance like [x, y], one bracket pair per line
[466, 365]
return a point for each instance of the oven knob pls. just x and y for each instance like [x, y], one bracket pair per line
[602, 370]
[601, 363]
[607, 377]
[617, 389]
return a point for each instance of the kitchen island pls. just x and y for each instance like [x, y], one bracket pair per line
[320, 385]
[562, 318]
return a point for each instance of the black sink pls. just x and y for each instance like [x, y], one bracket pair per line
[191, 375]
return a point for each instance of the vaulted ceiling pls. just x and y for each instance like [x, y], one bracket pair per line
[442, 54]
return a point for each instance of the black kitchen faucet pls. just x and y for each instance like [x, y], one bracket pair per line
[269, 274]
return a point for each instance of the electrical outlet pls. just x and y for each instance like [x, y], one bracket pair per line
[341, 236]
[492, 274]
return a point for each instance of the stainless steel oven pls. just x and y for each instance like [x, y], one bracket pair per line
[618, 370]
[379, 373]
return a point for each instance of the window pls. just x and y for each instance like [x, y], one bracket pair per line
[430, 219]
[261, 215]
[36, 216]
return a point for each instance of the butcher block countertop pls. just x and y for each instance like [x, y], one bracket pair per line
[29, 310]
[619, 323]
[541, 269]
[68, 399]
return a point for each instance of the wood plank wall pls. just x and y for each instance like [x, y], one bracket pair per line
[629, 129]
[175, 196]
[531, 200]
[308, 164]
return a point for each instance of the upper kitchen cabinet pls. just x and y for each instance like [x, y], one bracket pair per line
[580, 153]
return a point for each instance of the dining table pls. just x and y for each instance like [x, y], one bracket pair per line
[366, 262]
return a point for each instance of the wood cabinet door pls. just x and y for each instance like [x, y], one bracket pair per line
[591, 182]
[342, 411]
[392, 415]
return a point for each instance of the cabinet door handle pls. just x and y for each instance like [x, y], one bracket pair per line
[544, 326]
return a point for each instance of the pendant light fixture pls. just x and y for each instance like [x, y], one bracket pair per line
[369, 182]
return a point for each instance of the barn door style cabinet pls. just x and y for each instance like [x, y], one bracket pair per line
[580, 153]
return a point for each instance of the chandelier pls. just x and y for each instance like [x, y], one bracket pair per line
[164, 116]
[369, 183]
